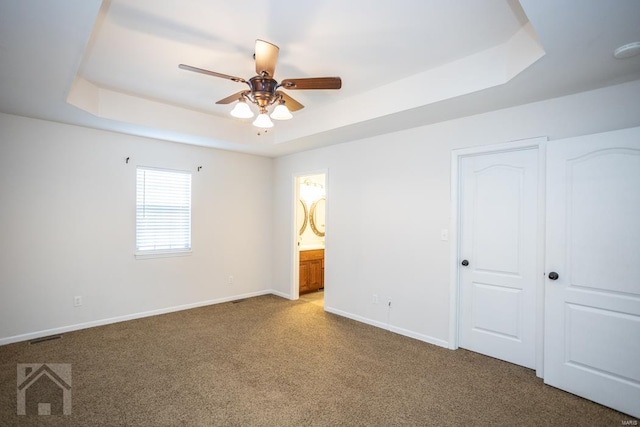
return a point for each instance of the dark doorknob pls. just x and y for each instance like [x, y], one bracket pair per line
[553, 275]
[465, 262]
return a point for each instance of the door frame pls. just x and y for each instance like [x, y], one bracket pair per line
[538, 143]
[294, 291]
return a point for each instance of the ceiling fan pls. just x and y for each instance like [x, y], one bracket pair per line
[264, 90]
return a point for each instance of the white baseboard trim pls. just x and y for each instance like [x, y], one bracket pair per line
[79, 326]
[280, 294]
[420, 337]
[76, 327]
[357, 318]
[407, 333]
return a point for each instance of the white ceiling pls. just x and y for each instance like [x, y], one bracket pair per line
[113, 64]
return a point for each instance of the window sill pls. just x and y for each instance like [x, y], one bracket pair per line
[160, 254]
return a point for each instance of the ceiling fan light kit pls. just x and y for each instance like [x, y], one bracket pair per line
[263, 121]
[281, 112]
[263, 88]
[242, 110]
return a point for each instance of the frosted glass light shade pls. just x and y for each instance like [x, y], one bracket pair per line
[242, 111]
[281, 112]
[311, 192]
[263, 121]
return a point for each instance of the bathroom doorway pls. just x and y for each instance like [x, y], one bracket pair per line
[309, 247]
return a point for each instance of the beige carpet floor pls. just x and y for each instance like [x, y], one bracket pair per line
[268, 361]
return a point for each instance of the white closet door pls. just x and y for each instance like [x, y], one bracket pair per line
[592, 308]
[498, 212]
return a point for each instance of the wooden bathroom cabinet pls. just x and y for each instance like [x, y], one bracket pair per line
[311, 270]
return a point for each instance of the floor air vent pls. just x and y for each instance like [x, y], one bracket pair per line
[43, 339]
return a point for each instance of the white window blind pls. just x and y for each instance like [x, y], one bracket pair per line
[163, 211]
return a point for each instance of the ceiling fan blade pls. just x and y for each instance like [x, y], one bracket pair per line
[231, 98]
[266, 56]
[312, 83]
[211, 73]
[291, 103]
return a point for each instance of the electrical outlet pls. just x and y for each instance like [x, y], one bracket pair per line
[230, 280]
[375, 299]
[77, 301]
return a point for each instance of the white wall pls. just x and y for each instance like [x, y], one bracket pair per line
[67, 227]
[67, 218]
[388, 197]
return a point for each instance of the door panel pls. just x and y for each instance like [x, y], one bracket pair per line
[498, 211]
[315, 274]
[497, 203]
[305, 277]
[588, 329]
[592, 311]
[595, 183]
[496, 322]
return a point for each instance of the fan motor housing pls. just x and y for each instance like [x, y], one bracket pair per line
[263, 90]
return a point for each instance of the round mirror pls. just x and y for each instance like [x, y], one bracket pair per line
[316, 217]
[302, 217]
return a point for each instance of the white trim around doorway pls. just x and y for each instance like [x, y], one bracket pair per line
[294, 291]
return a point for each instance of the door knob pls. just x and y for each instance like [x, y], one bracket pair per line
[465, 262]
[553, 275]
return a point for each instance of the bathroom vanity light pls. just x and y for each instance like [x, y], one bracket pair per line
[311, 191]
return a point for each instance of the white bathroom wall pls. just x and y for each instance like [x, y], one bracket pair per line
[389, 198]
[67, 222]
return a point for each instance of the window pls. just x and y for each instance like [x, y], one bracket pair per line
[163, 212]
